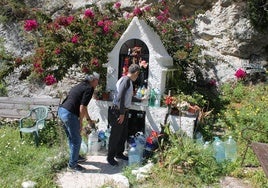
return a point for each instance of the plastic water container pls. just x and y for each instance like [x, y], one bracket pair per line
[219, 151]
[140, 141]
[83, 148]
[157, 98]
[152, 97]
[230, 149]
[93, 143]
[199, 138]
[206, 145]
[133, 155]
[107, 137]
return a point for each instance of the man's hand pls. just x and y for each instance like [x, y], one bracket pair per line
[121, 119]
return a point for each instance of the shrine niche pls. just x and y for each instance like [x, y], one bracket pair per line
[134, 51]
[141, 45]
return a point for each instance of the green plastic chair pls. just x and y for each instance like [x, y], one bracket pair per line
[37, 116]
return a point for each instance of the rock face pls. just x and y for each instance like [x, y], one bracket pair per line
[223, 29]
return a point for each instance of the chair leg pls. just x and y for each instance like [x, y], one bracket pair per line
[20, 135]
[36, 139]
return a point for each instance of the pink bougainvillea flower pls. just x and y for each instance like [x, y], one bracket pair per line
[240, 73]
[50, 80]
[75, 39]
[116, 35]
[89, 13]
[100, 23]
[30, 25]
[147, 8]
[212, 82]
[105, 25]
[38, 68]
[117, 5]
[70, 19]
[64, 21]
[57, 51]
[106, 29]
[137, 11]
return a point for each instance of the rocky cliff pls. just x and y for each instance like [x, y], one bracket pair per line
[222, 28]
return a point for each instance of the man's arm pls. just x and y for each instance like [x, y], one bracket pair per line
[84, 114]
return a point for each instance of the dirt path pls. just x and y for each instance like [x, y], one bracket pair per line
[100, 174]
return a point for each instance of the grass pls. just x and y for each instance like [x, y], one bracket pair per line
[21, 161]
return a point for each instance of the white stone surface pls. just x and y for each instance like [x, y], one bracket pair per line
[154, 116]
[98, 174]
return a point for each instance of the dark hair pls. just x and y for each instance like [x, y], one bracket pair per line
[133, 68]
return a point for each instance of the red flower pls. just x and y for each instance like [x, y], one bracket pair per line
[100, 23]
[149, 140]
[38, 68]
[212, 82]
[240, 73]
[50, 80]
[147, 8]
[137, 11]
[57, 51]
[89, 13]
[117, 5]
[168, 100]
[75, 39]
[106, 29]
[154, 134]
[30, 25]
[65, 21]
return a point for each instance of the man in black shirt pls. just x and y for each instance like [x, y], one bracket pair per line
[72, 112]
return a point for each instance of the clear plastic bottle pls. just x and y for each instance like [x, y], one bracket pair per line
[83, 148]
[199, 138]
[133, 155]
[157, 98]
[230, 149]
[140, 141]
[139, 94]
[107, 137]
[93, 144]
[206, 145]
[219, 150]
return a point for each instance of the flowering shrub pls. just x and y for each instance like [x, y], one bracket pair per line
[86, 37]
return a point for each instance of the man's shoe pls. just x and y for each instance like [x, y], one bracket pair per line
[78, 168]
[81, 159]
[122, 156]
[112, 162]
